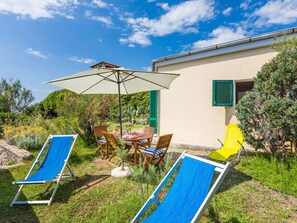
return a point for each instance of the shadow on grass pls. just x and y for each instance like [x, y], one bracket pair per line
[18, 213]
[233, 178]
[68, 188]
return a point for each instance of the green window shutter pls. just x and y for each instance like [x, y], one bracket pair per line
[154, 103]
[222, 93]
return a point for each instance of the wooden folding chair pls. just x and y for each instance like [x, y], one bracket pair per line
[98, 133]
[112, 146]
[144, 144]
[156, 155]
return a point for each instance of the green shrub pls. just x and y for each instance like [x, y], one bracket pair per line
[268, 113]
[25, 137]
[55, 126]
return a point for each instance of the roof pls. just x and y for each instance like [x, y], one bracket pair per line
[104, 64]
[263, 40]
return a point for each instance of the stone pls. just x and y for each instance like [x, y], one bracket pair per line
[12, 154]
[119, 173]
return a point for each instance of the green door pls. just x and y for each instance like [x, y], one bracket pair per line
[154, 103]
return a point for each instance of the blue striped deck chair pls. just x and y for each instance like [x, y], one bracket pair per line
[190, 193]
[51, 169]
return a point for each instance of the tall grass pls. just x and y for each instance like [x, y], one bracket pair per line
[268, 170]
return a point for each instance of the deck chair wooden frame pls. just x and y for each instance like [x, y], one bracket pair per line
[221, 169]
[98, 133]
[158, 152]
[112, 144]
[55, 180]
[144, 144]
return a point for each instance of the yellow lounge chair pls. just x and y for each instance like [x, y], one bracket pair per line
[232, 144]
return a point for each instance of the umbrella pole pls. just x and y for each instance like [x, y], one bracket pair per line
[120, 103]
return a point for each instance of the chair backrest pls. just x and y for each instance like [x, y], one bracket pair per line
[98, 131]
[55, 158]
[190, 192]
[163, 143]
[111, 141]
[147, 130]
[233, 135]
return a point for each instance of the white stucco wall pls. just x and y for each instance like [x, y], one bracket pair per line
[186, 109]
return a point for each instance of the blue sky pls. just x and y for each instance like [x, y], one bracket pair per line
[48, 39]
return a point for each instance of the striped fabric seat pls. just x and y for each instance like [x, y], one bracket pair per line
[151, 151]
[144, 141]
[102, 141]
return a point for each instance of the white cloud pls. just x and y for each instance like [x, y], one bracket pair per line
[245, 5]
[37, 9]
[276, 12]
[99, 3]
[164, 6]
[82, 60]
[227, 11]
[36, 53]
[131, 45]
[151, 1]
[179, 18]
[220, 35]
[103, 19]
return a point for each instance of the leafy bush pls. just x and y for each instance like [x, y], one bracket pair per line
[6, 117]
[25, 137]
[55, 126]
[85, 112]
[48, 107]
[268, 113]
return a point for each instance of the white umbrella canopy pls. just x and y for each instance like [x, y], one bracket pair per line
[114, 81]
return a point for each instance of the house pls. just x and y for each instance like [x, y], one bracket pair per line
[104, 64]
[200, 103]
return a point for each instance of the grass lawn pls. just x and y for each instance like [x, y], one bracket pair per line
[96, 197]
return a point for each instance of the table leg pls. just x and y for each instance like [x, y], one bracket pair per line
[107, 155]
[135, 145]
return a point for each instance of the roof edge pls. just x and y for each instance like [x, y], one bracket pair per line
[238, 42]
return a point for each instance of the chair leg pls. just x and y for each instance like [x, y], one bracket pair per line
[17, 195]
[71, 171]
[161, 159]
[103, 155]
[110, 158]
[53, 194]
[48, 202]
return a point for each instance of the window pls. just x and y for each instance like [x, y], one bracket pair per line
[241, 88]
[222, 93]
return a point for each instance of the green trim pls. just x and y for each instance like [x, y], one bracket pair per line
[222, 92]
[154, 109]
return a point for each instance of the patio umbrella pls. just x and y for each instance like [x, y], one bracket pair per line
[114, 81]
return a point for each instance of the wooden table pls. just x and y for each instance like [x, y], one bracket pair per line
[133, 138]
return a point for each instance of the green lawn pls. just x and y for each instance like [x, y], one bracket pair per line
[96, 197]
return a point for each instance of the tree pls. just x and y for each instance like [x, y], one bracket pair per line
[268, 113]
[48, 106]
[87, 111]
[14, 98]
